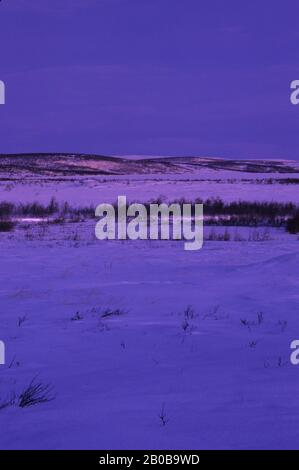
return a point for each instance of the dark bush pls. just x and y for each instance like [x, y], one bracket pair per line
[6, 225]
[6, 209]
[293, 224]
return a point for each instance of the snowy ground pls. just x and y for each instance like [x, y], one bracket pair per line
[222, 384]
[95, 190]
[218, 373]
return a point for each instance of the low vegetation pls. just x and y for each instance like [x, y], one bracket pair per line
[6, 225]
[293, 224]
[216, 212]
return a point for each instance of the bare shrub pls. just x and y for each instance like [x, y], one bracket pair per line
[281, 362]
[246, 323]
[260, 318]
[112, 313]
[282, 324]
[189, 312]
[35, 393]
[77, 317]
[13, 363]
[186, 325]
[21, 320]
[249, 324]
[213, 313]
[10, 401]
[163, 416]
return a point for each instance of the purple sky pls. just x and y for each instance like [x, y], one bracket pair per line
[174, 77]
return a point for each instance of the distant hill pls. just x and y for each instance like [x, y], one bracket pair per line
[63, 164]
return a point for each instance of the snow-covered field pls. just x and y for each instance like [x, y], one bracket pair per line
[97, 181]
[145, 345]
[106, 189]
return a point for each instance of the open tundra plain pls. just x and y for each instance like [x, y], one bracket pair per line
[141, 344]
